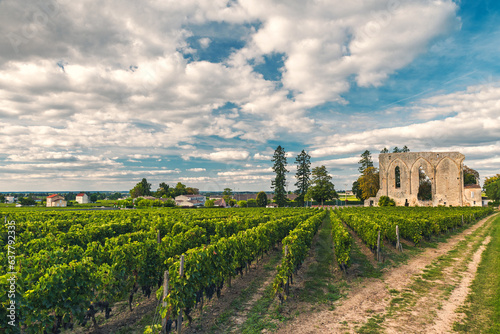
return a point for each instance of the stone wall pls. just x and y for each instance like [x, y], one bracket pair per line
[444, 169]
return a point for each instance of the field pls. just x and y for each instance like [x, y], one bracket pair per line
[294, 270]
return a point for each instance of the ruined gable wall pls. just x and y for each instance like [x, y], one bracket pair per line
[444, 169]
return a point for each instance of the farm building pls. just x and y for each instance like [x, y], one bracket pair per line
[56, 200]
[82, 198]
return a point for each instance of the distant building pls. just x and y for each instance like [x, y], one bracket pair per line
[272, 205]
[190, 200]
[56, 200]
[10, 199]
[82, 198]
[472, 195]
[220, 203]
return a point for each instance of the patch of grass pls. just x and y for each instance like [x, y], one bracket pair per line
[482, 308]
[319, 286]
[365, 267]
[372, 326]
[257, 320]
[221, 323]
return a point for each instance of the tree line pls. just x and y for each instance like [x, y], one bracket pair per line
[311, 184]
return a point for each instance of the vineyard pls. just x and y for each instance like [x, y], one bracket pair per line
[71, 265]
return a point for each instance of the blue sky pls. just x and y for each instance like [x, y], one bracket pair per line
[97, 96]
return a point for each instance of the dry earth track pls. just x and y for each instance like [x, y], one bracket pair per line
[372, 296]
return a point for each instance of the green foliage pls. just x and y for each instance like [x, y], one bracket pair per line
[369, 183]
[303, 175]
[342, 242]
[365, 162]
[321, 189]
[261, 199]
[72, 259]
[279, 182]
[298, 243]
[227, 192]
[471, 176]
[384, 150]
[358, 192]
[492, 187]
[425, 186]
[206, 267]
[180, 189]
[142, 188]
[414, 223]
[209, 203]
[386, 201]
[252, 203]
[242, 204]
[27, 201]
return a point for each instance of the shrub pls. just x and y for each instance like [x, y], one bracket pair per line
[386, 201]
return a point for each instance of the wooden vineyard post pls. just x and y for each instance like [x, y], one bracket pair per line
[165, 293]
[378, 247]
[462, 220]
[288, 277]
[399, 247]
[179, 317]
[158, 237]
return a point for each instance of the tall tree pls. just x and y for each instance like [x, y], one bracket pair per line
[146, 186]
[405, 149]
[134, 192]
[384, 150]
[163, 190]
[366, 161]
[180, 189]
[471, 176]
[279, 182]
[492, 187]
[369, 182]
[261, 199]
[321, 189]
[396, 150]
[424, 186]
[303, 175]
[357, 190]
[192, 191]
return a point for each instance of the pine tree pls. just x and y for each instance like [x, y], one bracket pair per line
[278, 184]
[366, 161]
[303, 175]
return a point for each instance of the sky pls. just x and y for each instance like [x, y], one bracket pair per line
[98, 95]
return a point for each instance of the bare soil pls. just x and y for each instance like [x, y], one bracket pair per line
[372, 297]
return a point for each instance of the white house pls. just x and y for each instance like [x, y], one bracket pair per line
[9, 199]
[56, 200]
[190, 200]
[82, 198]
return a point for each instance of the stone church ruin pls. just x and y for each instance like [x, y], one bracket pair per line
[425, 179]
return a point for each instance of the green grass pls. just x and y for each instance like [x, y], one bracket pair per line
[319, 286]
[221, 323]
[365, 269]
[482, 308]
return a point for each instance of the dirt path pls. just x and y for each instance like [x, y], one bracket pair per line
[224, 314]
[447, 315]
[371, 301]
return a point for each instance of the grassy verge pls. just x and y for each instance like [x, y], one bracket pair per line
[221, 324]
[482, 309]
[319, 286]
[431, 278]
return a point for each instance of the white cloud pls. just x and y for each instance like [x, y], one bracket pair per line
[220, 155]
[196, 169]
